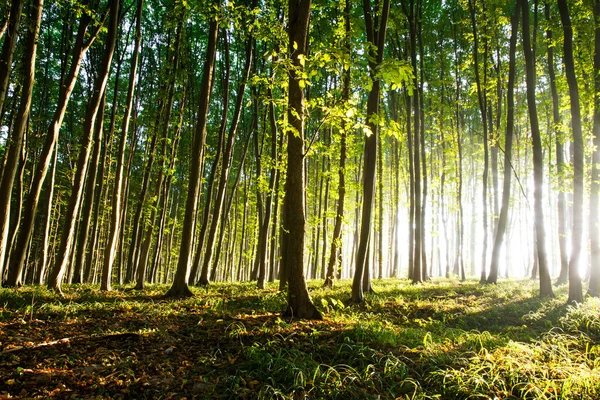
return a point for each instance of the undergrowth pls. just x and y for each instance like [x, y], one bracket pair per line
[442, 339]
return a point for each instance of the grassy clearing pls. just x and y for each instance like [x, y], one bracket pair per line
[442, 339]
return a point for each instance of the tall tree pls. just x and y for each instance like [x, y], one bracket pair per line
[92, 111]
[482, 100]
[17, 137]
[117, 195]
[594, 288]
[538, 161]
[81, 45]
[226, 165]
[335, 257]
[575, 290]
[560, 158]
[510, 125]
[376, 37]
[8, 50]
[299, 304]
[180, 288]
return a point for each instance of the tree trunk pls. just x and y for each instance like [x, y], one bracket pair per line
[335, 257]
[17, 139]
[142, 265]
[227, 210]
[263, 240]
[299, 302]
[560, 158]
[481, 96]
[594, 287]
[90, 195]
[510, 121]
[93, 108]
[19, 254]
[375, 35]
[575, 289]
[117, 195]
[180, 282]
[225, 168]
[8, 49]
[538, 162]
[46, 248]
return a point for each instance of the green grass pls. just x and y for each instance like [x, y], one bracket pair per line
[442, 339]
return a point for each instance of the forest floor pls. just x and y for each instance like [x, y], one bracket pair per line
[442, 339]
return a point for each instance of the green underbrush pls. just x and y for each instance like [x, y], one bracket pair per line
[442, 339]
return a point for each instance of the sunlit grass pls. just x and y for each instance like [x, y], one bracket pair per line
[440, 339]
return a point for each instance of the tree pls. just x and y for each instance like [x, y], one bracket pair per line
[594, 287]
[180, 288]
[376, 37]
[299, 304]
[336, 242]
[8, 50]
[81, 45]
[538, 162]
[575, 290]
[560, 158]
[117, 196]
[510, 124]
[16, 139]
[93, 108]
[482, 100]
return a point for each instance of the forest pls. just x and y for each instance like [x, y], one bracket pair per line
[301, 198]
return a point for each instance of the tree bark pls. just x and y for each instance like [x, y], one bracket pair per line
[180, 288]
[93, 108]
[16, 140]
[594, 287]
[560, 158]
[225, 168]
[8, 49]
[575, 289]
[142, 265]
[510, 121]
[299, 302]
[117, 195]
[375, 36]
[481, 96]
[19, 254]
[335, 257]
[538, 162]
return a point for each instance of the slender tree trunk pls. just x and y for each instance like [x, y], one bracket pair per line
[299, 302]
[19, 254]
[73, 208]
[46, 248]
[538, 162]
[8, 49]
[206, 217]
[90, 195]
[481, 96]
[117, 195]
[142, 265]
[510, 118]
[417, 250]
[227, 210]
[575, 289]
[560, 158]
[594, 288]
[225, 168]
[266, 224]
[335, 257]
[17, 138]
[375, 35]
[180, 282]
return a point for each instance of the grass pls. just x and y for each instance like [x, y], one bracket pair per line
[442, 339]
